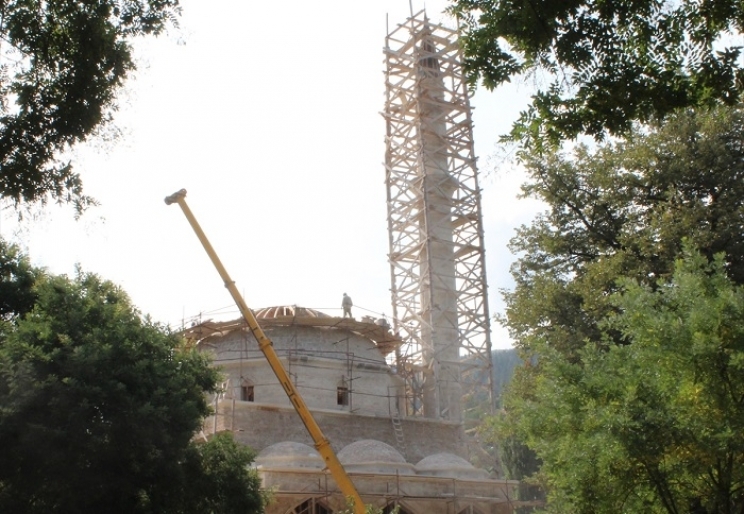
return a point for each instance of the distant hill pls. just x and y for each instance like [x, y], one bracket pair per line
[504, 362]
[481, 453]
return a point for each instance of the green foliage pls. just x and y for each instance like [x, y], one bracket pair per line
[63, 62]
[219, 479]
[504, 363]
[623, 210]
[476, 402]
[98, 408]
[17, 278]
[609, 63]
[654, 425]
[507, 439]
[632, 395]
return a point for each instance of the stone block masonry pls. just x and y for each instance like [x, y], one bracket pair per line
[259, 426]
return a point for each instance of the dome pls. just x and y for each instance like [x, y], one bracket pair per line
[371, 456]
[288, 311]
[450, 466]
[288, 454]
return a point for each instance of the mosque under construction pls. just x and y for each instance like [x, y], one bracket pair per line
[388, 394]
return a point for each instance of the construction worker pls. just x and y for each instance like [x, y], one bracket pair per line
[347, 304]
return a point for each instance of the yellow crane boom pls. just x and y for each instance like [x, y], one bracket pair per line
[264, 343]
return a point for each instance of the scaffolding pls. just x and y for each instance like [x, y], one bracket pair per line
[436, 252]
[300, 489]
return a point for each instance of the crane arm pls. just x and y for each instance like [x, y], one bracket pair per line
[264, 343]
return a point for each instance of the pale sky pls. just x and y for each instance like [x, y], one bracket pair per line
[268, 114]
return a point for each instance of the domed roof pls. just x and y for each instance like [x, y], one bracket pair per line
[375, 331]
[283, 311]
[371, 456]
[368, 450]
[450, 466]
[289, 454]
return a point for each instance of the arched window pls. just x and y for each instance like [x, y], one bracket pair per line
[311, 506]
[246, 391]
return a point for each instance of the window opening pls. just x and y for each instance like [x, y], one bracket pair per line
[342, 395]
[246, 391]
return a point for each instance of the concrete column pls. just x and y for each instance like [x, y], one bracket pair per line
[438, 290]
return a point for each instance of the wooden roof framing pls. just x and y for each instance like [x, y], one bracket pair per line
[384, 340]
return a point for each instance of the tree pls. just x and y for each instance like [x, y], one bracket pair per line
[219, 479]
[61, 66]
[518, 461]
[654, 425]
[17, 278]
[622, 210]
[98, 408]
[607, 420]
[609, 63]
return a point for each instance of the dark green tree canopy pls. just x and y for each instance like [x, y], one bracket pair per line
[61, 64]
[17, 278]
[219, 479]
[98, 408]
[628, 310]
[652, 426]
[609, 63]
[624, 209]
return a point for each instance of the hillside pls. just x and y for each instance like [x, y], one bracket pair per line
[504, 362]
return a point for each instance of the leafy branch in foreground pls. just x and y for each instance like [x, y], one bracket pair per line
[61, 65]
[99, 406]
[632, 391]
[654, 425]
[608, 64]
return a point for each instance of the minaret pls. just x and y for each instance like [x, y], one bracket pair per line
[434, 222]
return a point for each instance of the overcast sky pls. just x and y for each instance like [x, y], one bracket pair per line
[269, 115]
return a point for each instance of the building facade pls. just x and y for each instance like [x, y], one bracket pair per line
[387, 398]
[340, 367]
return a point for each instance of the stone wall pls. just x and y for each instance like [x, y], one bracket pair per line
[259, 426]
[317, 341]
[319, 363]
[415, 495]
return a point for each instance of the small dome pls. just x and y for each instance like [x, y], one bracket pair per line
[288, 311]
[288, 454]
[450, 466]
[368, 450]
[370, 456]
